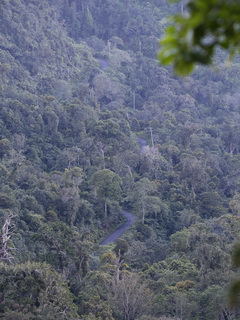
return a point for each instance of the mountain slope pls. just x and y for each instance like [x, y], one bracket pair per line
[82, 93]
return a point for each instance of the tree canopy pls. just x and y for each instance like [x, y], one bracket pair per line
[91, 124]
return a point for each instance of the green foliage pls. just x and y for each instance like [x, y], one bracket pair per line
[7, 201]
[107, 185]
[180, 240]
[34, 291]
[5, 147]
[235, 285]
[75, 113]
[143, 199]
[236, 256]
[234, 293]
[194, 37]
[121, 247]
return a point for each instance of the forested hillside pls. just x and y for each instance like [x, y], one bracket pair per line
[90, 125]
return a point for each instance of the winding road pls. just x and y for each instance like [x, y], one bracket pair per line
[130, 217]
[117, 233]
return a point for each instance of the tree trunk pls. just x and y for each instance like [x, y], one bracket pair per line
[134, 99]
[119, 263]
[103, 157]
[105, 207]
[6, 236]
[193, 194]
[181, 7]
[143, 213]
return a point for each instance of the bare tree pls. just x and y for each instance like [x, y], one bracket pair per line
[7, 233]
[129, 297]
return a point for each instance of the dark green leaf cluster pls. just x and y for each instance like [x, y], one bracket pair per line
[195, 36]
[34, 291]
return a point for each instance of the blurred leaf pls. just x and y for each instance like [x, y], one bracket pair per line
[234, 293]
[192, 38]
[236, 256]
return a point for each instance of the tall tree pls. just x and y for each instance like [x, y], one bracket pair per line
[143, 198]
[107, 185]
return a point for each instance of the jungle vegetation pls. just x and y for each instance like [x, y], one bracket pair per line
[91, 124]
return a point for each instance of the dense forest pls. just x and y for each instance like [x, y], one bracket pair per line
[90, 125]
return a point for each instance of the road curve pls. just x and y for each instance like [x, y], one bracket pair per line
[117, 233]
[103, 64]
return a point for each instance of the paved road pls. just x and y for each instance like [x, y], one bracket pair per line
[117, 233]
[142, 142]
[103, 64]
